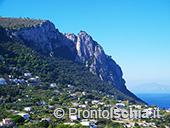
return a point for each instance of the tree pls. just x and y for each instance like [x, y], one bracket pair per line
[137, 125]
[17, 118]
[44, 124]
[35, 99]
[167, 118]
[162, 126]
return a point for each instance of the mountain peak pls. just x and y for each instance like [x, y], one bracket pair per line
[84, 37]
[82, 32]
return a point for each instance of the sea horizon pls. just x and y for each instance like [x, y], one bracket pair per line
[161, 100]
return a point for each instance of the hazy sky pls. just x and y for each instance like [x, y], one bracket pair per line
[136, 33]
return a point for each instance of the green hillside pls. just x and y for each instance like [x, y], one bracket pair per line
[57, 70]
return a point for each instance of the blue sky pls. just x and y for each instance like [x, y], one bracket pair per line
[136, 33]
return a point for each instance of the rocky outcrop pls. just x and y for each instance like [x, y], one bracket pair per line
[40, 36]
[47, 39]
[93, 55]
[44, 38]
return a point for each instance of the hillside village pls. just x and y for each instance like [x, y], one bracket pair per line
[35, 104]
[34, 82]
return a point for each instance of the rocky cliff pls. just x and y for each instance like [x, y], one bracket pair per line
[45, 38]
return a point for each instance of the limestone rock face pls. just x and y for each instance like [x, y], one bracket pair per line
[46, 39]
[85, 47]
[93, 55]
[43, 37]
[40, 36]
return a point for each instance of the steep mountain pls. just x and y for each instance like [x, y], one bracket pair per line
[43, 37]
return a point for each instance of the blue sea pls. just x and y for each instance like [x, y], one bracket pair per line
[162, 100]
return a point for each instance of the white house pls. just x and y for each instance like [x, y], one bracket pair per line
[101, 103]
[53, 85]
[13, 68]
[37, 77]
[24, 115]
[11, 76]
[120, 105]
[94, 101]
[86, 123]
[47, 119]
[13, 80]
[2, 81]
[168, 110]
[28, 96]
[86, 102]
[70, 123]
[136, 106]
[74, 96]
[42, 102]
[129, 125]
[33, 79]
[84, 93]
[150, 109]
[15, 111]
[7, 122]
[50, 107]
[27, 74]
[27, 109]
[33, 121]
[73, 117]
[20, 99]
[75, 104]
[56, 91]
[93, 121]
[70, 86]
[108, 105]
[22, 81]
[82, 106]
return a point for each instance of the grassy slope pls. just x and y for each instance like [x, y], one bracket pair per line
[17, 23]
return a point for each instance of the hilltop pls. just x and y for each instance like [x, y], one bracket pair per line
[18, 23]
